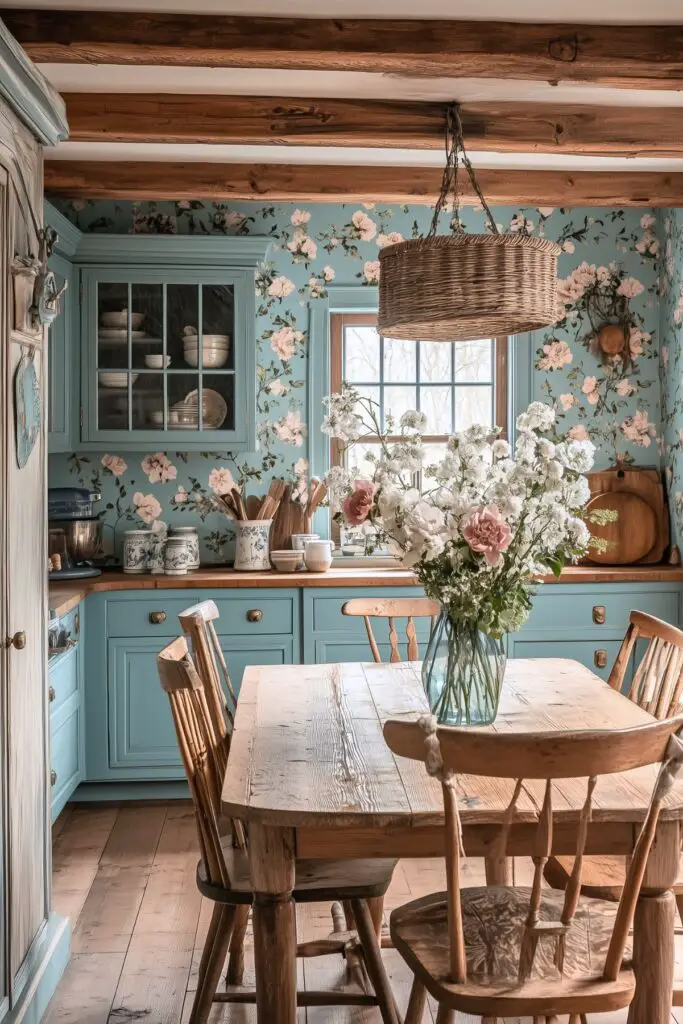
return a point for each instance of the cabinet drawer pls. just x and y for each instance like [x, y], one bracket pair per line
[596, 610]
[327, 617]
[64, 678]
[256, 615]
[252, 616]
[588, 652]
[66, 760]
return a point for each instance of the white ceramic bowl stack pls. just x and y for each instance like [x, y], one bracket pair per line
[215, 350]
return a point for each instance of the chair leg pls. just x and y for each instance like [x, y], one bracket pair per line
[236, 962]
[679, 904]
[445, 1015]
[373, 961]
[208, 943]
[201, 1007]
[416, 1003]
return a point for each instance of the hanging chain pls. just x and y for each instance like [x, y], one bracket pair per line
[455, 150]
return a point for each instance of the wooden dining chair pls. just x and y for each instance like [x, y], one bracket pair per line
[392, 609]
[499, 951]
[223, 874]
[656, 687]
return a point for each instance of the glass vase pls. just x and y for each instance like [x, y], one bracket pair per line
[462, 672]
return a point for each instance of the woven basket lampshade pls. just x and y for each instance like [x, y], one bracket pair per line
[459, 287]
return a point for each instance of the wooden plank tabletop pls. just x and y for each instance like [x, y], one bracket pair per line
[308, 748]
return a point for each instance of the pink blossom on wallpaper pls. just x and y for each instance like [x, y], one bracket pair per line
[364, 225]
[557, 354]
[637, 339]
[181, 496]
[276, 387]
[566, 401]
[487, 533]
[390, 238]
[624, 388]
[221, 480]
[545, 211]
[284, 342]
[568, 246]
[290, 429]
[328, 273]
[371, 271]
[158, 468]
[630, 287]
[521, 223]
[280, 287]
[578, 433]
[301, 466]
[146, 506]
[115, 464]
[357, 506]
[638, 430]
[303, 244]
[591, 389]
[300, 217]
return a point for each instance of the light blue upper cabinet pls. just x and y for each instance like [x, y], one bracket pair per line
[168, 342]
[62, 367]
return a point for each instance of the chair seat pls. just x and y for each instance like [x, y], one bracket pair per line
[602, 877]
[493, 923]
[316, 880]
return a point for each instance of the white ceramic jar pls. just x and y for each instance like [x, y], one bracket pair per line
[318, 555]
[251, 546]
[177, 556]
[136, 550]
[191, 537]
[300, 540]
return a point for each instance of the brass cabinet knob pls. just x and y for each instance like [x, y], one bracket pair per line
[51, 694]
[600, 658]
[254, 615]
[156, 618]
[18, 641]
[53, 777]
[599, 614]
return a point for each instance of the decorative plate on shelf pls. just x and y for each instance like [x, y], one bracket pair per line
[26, 407]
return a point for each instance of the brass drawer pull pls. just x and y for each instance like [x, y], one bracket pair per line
[254, 615]
[51, 694]
[599, 614]
[53, 777]
[600, 658]
[156, 618]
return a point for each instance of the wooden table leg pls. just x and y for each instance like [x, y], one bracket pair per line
[271, 858]
[653, 931]
[498, 870]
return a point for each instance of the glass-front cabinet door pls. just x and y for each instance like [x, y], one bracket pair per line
[169, 358]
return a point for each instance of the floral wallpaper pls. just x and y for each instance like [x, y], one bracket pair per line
[607, 254]
[671, 362]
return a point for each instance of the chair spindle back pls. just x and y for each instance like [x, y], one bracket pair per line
[201, 748]
[658, 680]
[392, 609]
[519, 758]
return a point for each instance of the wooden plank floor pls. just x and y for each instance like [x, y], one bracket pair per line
[126, 878]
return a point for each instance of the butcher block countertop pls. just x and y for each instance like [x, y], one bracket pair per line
[63, 597]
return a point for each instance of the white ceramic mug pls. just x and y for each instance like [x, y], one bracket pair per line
[300, 540]
[318, 555]
[251, 545]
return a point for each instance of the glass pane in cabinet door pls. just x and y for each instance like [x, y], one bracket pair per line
[112, 325]
[147, 401]
[112, 399]
[218, 401]
[183, 409]
[182, 319]
[147, 326]
[218, 327]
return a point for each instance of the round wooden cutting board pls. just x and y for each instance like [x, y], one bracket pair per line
[634, 533]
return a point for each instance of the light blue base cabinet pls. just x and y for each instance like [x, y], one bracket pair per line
[130, 738]
[130, 733]
[67, 726]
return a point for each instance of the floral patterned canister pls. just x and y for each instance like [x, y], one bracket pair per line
[191, 537]
[251, 548]
[178, 557]
[136, 550]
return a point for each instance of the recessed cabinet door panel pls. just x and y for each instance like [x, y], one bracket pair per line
[597, 655]
[141, 733]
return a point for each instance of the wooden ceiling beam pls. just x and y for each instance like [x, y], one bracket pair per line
[632, 56]
[336, 183]
[497, 127]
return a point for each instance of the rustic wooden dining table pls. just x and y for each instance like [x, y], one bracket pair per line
[311, 774]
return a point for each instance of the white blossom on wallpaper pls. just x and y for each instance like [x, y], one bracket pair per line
[322, 246]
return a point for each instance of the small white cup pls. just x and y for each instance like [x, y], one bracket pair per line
[157, 361]
[318, 555]
[300, 540]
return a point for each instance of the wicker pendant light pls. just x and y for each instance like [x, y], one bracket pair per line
[458, 287]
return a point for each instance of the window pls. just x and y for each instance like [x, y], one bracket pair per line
[454, 384]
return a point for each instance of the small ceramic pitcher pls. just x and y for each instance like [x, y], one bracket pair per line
[251, 547]
[318, 555]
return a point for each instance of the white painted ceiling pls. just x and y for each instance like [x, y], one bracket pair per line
[358, 85]
[606, 12]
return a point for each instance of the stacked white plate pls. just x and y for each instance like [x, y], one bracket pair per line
[116, 379]
[215, 350]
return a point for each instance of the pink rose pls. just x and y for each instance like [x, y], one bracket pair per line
[357, 506]
[486, 532]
